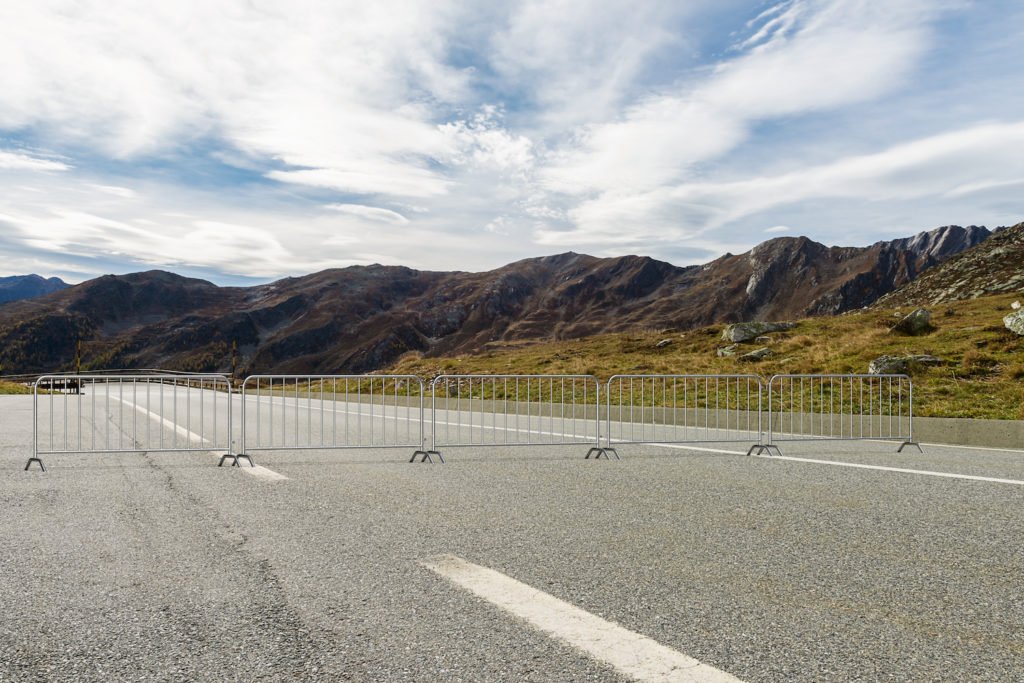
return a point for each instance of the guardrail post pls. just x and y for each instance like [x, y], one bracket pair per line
[35, 429]
[427, 453]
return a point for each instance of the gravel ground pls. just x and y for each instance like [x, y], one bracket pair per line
[160, 566]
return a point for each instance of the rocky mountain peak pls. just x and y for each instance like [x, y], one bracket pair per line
[993, 266]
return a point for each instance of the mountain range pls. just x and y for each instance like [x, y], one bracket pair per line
[363, 318]
[18, 287]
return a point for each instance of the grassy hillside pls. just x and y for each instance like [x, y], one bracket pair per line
[982, 374]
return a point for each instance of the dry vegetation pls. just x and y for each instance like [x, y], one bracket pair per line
[13, 388]
[980, 376]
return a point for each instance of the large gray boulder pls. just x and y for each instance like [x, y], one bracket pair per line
[1015, 322]
[741, 332]
[899, 365]
[915, 323]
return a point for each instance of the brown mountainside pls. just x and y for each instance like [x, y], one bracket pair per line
[362, 318]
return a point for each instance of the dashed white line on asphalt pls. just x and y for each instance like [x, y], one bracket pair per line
[177, 429]
[257, 471]
[856, 465]
[262, 472]
[632, 654]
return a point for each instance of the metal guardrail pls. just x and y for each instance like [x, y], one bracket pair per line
[516, 410]
[88, 413]
[840, 407]
[684, 409]
[124, 413]
[329, 412]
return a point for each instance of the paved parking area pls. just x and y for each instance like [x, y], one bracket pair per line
[160, 566]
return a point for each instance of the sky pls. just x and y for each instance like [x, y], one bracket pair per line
[246, 140]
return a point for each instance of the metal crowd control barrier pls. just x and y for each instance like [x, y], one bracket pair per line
[840, 407]
[329, 412]
[684, 409]
[515, 410]
[113, 413]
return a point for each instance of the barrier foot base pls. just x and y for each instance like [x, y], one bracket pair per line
[239, 456]
[225, 456]
[32, 460]
[427, 456]
[762, 448]
[910, 443]
[598, 452]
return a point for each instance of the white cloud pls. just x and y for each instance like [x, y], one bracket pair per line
[482, 142]
[931, 167]
[17, 161]
[372, 213]
[115, 190]
[779, 228]
[340, 91]
[579, 59]
[950, 164]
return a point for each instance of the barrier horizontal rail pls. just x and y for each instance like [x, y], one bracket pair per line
[331, 412]
[840, 407]
[684, 409]
[515, 410]
[128, 413]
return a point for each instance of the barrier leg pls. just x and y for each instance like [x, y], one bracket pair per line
[239, 456]
[910, 443]
[224, 456]
[32, 460]
[427, 456]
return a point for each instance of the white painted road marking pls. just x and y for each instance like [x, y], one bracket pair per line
[257, 471]
[1016, 451]
[262, 472]
[906, 470]
[856, 465]
[177, 429]
[630, 653]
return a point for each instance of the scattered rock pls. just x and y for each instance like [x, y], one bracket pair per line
[915, 323]
[1015, 322]
[730, 350]
[663, 343]
[741, 332]
[900, 365]
[1015, 305]
[759, 354]
[763, 339]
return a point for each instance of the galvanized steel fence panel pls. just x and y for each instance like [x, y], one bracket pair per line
[515, 410]
[841, 407]
[327, 412]
[683, 409]
[104, 413]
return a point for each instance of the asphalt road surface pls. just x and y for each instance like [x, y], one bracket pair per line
[839, 561]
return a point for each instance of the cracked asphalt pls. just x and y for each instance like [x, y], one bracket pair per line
[164, 567]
